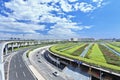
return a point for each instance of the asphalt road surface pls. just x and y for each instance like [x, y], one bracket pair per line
[43, 68]
[18, 69]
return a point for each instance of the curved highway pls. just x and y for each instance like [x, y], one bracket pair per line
[18, 69]
[43, 66]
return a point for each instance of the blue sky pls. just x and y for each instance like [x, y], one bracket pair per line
[59, 19]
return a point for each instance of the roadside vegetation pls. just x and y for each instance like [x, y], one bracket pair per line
[110, 57]
[114, 47]
[73, 49]
[65, 46]
[79, 51]
[97, 55]
[115, 44]
[36, 46]
[89, 52]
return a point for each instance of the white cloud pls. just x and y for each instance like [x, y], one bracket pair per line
[73, 0]
[87, 27]
[52, 19]
[4, 19]
[66, 25]
[84, 7]
[39, 11]
[65, 6]
[20, 27]
[29, 10]
[22, 36]
[62, 33]
[66, 30]
[99, 2]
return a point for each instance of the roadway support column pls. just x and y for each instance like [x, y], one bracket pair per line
[78, 65]
[18, 45]
[6, 49]
[101, 75]
[89, 70]
[70, 63]
[58, 63]
[12, 46]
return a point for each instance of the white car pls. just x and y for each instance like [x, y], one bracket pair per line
[55, 73]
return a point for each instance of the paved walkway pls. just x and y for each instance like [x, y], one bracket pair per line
[115, 52]
[86, 50]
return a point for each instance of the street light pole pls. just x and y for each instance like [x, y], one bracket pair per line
[101, 73]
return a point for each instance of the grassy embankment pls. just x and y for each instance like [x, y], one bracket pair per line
[114, 47]
[96, 54]
[110, 57]
[35, 47]
[95, 57]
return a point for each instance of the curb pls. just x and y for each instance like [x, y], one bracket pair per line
[26, 61]
[9, 57]
[32, 68]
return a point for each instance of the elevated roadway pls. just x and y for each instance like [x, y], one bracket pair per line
[37, 59]
[5, 46]
[18, 69]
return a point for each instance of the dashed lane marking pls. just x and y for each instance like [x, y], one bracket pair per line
[16, 75]
[24, 74]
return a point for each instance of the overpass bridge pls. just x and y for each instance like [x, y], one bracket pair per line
[98, 72]
[6, 46]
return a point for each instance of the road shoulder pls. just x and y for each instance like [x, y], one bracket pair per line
[32, 69]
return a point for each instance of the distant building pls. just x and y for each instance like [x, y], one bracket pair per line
[118, 40]
[82, 39]
[111, 39]
[74, 39]
[86, 39]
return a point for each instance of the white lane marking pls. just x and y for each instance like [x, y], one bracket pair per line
[14, 60]
[24, 74]
[11, 57]
[19, 60]
[16, 75]
[50, 75]
[20, 65]
[15, 65]
[43, 52]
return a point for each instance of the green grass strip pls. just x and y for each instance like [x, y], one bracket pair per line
[73, 49]
[88, 61]
[35, 47]
[115, 44]
[63, 46]
[114, 47]
[69, 47]
[110, 57]
[79, 51]
[96, 54]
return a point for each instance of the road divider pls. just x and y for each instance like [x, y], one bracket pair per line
[29, 65]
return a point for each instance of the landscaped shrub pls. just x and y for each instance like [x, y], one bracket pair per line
[111, 58]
